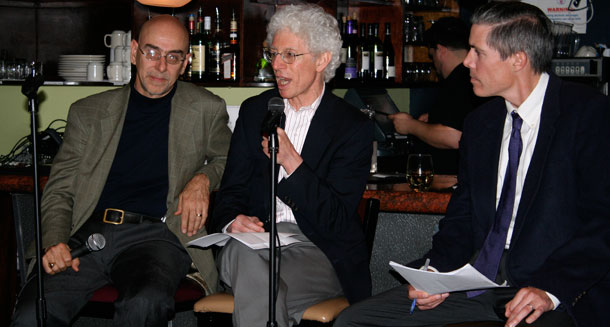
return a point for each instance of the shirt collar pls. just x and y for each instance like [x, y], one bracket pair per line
[314, 106]
[531, 108]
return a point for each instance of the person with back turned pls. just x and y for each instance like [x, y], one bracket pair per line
[137, 165]
[440, 128]
[324, 158]
[532, 206]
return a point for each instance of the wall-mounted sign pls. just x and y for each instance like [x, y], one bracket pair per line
[568, 11]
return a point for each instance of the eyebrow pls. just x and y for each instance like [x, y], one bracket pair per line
[157, 48]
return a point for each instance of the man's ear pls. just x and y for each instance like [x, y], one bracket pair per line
[519, 60]
[322, 61]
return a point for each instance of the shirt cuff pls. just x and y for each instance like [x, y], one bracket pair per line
[224, 229]
[555, 300]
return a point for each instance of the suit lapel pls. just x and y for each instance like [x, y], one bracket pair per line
[317, 137]
[181, 122]
[548, 118]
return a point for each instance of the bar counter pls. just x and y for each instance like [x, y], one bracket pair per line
[398, 197]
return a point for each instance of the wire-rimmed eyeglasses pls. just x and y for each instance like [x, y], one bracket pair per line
[171, 58]
[288, 56]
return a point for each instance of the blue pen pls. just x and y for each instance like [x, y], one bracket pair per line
[425, 267]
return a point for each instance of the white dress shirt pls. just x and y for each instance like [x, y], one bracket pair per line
[530, 111]
[296, 127]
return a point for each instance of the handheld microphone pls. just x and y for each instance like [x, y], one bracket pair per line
[95, 242]
[275, 116]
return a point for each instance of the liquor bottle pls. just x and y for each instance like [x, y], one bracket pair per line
[351, 56]
[199, 51]
[389, 65]
[230, 54]
[199, 23]
[364, 55]
[218, 42]
[376, 53]
[207, 38]
[191, 28]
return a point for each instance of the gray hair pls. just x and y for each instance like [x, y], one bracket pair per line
[518, 26]
[314, 26]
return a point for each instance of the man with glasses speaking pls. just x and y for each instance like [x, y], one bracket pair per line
[137, 165]
[325, 148]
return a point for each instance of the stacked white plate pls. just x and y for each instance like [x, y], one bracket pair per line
[74, 67]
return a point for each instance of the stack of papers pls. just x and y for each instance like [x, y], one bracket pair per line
[464, 279]
[252, 240]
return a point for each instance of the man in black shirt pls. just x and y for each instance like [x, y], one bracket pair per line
[441, 128]
[137, 165]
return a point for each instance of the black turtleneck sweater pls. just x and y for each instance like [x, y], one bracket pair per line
[138, 179]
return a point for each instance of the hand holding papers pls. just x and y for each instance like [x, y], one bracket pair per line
[463, 279]
[252, 240]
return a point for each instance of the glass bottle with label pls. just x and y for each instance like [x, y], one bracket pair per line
[230, 54]
[191, 28]
[389, 64]
[351, 56]
[376, 53]
[364, 55]
[216, 48]
[198, 57]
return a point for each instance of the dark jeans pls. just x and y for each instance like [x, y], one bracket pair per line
[145, 262]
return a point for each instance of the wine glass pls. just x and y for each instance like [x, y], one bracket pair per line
[419, 171]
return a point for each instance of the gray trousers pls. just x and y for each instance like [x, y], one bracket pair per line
[391, 309]
[306, 277]
[145, 262]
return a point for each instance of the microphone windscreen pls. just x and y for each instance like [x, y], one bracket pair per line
[96, 242]
[275, 105]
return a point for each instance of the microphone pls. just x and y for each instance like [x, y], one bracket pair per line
[275, 116]
[95, 242]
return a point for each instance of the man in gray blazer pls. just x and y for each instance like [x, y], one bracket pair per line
[137, 165]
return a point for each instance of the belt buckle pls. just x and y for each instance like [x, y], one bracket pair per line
[114, 222]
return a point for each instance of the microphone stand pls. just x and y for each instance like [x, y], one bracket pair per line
[273, 148]
[30, 90]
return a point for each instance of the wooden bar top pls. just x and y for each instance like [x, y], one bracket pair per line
[398, 197]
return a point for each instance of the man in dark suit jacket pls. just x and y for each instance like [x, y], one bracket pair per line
[324, 156]
[556, 251]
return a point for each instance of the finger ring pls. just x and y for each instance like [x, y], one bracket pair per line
[198, 215]
[531, 306]
[51, 265]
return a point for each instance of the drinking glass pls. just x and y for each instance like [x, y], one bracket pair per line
[419, 171]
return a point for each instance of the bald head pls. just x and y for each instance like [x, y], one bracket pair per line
[165, 26]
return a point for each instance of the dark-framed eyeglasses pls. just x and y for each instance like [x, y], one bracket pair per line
[171, 58]
[288, 56]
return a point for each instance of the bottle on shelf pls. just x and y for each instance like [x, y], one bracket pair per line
[376, 53]
[199, 51]
[389, 64]
[351, 55]
[191, 28]
[230, 54]
[218, 42]
[364, 55]
[207, 37]
[199, 22]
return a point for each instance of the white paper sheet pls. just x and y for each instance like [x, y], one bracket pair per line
[252, 240]
[463, 279]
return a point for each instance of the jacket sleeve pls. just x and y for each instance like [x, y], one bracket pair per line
[58, 196]
[326, 202]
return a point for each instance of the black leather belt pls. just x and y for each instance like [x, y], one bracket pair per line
[118, 217]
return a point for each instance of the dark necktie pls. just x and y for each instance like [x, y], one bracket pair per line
[488, 260]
